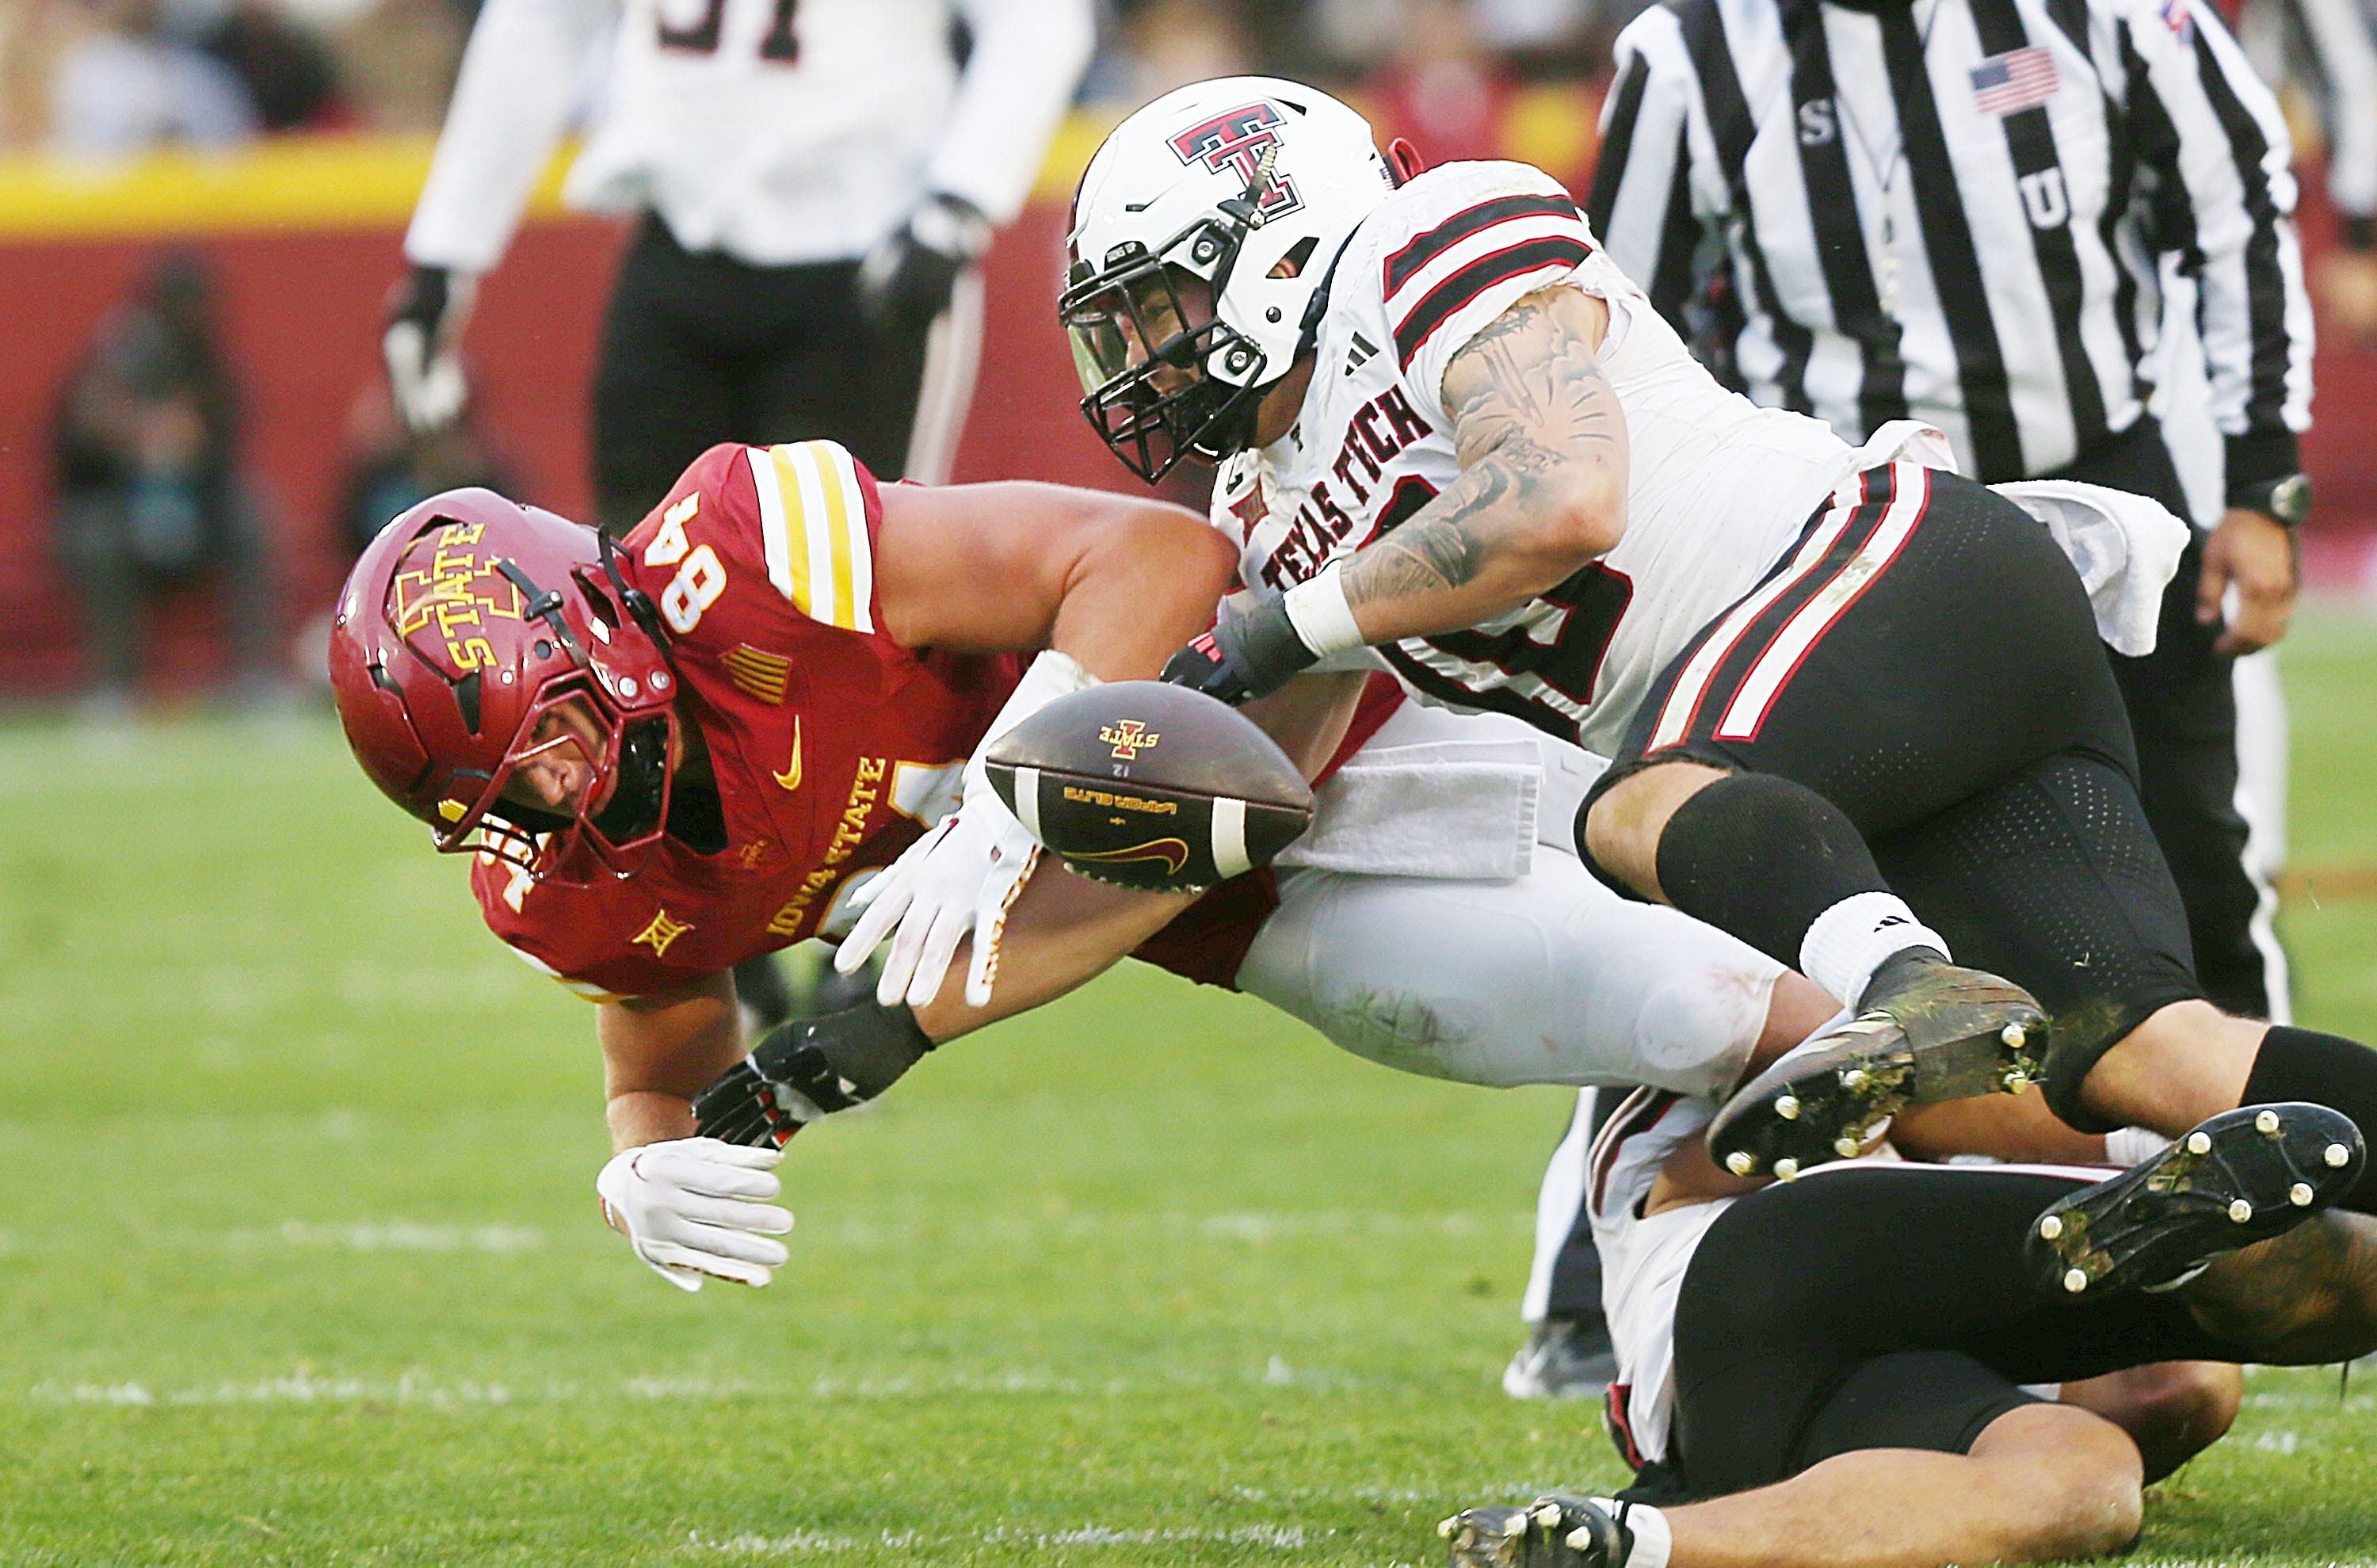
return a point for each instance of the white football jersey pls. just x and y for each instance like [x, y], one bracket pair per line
[776, 131]
[1719, 487]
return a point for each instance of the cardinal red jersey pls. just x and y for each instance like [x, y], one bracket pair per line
[833, 746]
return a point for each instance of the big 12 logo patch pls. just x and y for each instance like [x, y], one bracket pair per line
[1239, 139]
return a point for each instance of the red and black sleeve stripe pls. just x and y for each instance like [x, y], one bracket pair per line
[1460, 287]
[1423, 248]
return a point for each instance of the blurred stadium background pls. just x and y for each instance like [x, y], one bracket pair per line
[301, 1253]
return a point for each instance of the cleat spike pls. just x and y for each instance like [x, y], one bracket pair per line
[1446, 1526]
[2240, 1211]
[2014, 1036]
[1787, 1107]
[2300, 1194]
[1846, 1146]
[1855, 1078]
[2266, 1124]
[2051, 1226]
[1547, 1516]
[1741, 1162]
[2199, 1143]
[1787, 1169]
[1581, 1539]
[2075, 1280]
[2016, 1081]
[2337, 1156]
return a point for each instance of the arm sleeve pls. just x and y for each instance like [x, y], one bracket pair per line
[2218, 150]
[1028, 58]
[519, 77]
[2343, 39]
[1643, 204]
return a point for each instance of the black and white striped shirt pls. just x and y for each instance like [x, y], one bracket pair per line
[1954, 209]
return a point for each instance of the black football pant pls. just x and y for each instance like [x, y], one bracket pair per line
[1957, 707]
[699, 348]
[2182, 705]
[1882, 1307]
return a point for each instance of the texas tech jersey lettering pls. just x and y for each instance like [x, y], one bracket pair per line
[1718, 488]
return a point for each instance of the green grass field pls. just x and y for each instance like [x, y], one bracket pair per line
[300, 1263]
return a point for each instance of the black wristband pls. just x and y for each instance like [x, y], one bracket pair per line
[1268, 648]
[2256, 459]
[2359, 231]
[843, 1058]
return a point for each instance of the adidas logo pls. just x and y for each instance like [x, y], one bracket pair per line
[1361, 354]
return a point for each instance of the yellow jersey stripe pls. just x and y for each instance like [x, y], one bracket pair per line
[769, 482]
[860, 582]
[813, 521]
[815, 525]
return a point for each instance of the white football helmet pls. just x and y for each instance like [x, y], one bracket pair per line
[1202, 239]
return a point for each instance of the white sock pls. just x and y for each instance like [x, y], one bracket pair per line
[2129, 1145]
[1653, 1539]
[1855, 937]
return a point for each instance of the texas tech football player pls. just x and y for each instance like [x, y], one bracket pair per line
[1457, 437]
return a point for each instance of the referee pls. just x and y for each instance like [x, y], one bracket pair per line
[812, 183]
[1959, 211]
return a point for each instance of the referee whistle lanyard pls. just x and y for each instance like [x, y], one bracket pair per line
[1884, 174]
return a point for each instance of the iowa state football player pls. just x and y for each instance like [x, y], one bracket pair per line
[701, 744]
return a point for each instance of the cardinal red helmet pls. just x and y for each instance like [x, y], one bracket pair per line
[469, 622]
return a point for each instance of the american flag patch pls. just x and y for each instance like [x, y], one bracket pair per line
[2018, 80]
[2179, 19]
[762, 675]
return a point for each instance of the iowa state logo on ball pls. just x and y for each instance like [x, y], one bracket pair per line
[1128, 738]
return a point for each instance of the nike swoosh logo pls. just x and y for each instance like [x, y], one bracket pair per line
[790, 777]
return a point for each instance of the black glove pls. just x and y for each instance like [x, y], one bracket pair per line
[808, 1069]
[1248, 653]
[425, 311]
[905, 281]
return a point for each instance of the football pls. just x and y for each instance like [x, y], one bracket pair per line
[1150, 786]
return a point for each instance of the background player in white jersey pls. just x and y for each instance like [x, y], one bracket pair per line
[1798, 673]
[813, 180]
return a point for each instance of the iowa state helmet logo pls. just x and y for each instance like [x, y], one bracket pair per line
[1239, 140]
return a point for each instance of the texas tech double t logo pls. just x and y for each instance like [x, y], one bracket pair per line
[1237, 141]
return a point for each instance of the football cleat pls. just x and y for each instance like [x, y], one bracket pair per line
[1563, 1359]
[1928, 1031]
[1554, 1531]
[2242, 1177]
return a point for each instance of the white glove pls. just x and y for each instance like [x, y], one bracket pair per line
[691, 1207]
[960, 877]
[422, 345]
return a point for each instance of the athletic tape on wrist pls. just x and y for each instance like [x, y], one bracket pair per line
[1322, 617]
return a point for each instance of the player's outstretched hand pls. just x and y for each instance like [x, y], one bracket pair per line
[1253, 650]
[960, 877]
[696, 1207]
[423, 346]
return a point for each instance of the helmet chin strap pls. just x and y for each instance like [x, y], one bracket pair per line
[637, 603]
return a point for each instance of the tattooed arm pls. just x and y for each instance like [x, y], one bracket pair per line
[1543, 484]
[1542, 442]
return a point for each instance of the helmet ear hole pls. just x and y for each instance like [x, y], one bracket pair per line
[1292, 264]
